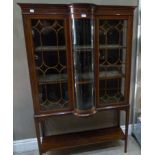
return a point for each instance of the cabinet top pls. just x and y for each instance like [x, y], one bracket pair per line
[36, 8]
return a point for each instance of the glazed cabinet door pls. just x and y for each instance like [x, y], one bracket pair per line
[111, 60]
[50, 56]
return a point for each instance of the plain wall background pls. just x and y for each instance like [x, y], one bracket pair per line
[23, 107]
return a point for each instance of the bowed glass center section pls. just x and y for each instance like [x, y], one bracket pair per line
[82, 34]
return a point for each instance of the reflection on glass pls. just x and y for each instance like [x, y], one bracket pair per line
[111, 90]
[51, 97]
[83, 63]
[112, 52]
[50, 60]
[112, 32]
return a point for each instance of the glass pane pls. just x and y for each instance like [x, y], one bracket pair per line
[111, 90]
[51, 62]
[112, 32]
[51, 97]
[84, 96]
[83, 63]
[112, 54]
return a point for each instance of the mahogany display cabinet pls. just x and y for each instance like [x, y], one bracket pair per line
[79, 58]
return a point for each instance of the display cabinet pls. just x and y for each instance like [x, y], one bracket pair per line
[79, 58]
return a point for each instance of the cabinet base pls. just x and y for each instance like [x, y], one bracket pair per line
[58, 142]
[83, 113]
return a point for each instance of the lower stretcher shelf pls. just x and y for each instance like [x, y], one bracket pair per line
[57, 142]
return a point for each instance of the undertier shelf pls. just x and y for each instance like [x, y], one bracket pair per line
[72, 140]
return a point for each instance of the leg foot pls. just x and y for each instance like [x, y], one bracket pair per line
[126, 130]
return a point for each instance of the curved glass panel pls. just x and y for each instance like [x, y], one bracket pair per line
[82, 32]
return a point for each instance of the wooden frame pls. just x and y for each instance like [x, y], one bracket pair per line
[62, 11]
[28, 37]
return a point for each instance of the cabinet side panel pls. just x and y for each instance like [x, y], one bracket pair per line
[129, 52]
[30, 63]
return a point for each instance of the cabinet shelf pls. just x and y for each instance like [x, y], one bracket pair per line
[72, 140]
[80, 48]
[50, 48]
[112, 65]
[110, 74]
[83, 48]
[76, 48]
[102, 74]
[113, 46]
[82, 78]
[84, 81]
[54, 78]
